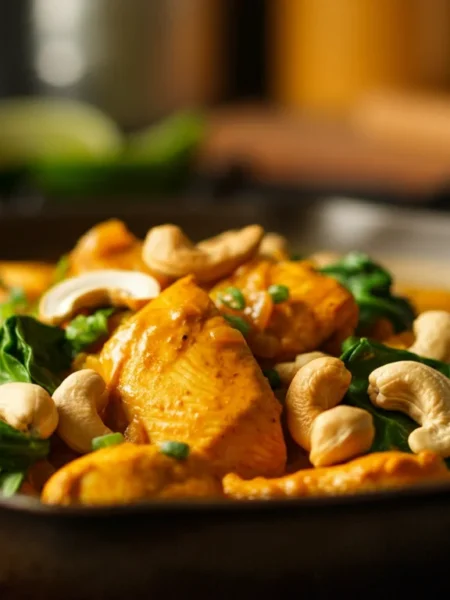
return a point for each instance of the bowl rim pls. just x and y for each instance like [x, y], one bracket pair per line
[423, 494]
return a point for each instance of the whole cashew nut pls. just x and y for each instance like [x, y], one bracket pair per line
[29, 408]
[331, 433]
[80, 398]
[432, 332]
[168, 251]
[104, 287]
[339, 434]
[274, 245]
[287, 370]
[318, 386]
[423, 394]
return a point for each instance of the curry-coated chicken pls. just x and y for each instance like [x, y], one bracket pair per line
[318, 311]
[182, 373]
[109, 245]
[372, 472]
[32, 277]
[130, 473]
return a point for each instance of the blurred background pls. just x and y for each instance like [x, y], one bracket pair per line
[293, 100]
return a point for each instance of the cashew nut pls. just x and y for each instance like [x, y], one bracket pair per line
[318, 386]
[168, 251]
[339, 434]
[432, 333]
[96, 288]
[287, 370]
[274, 245]
[325, 258]
[423, 394]
[80, 398]
[28, 408]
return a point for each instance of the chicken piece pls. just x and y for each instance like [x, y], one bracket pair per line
[109, 245]
[32, 277]
[377, 471]
[186, 375]
[130, 473]
[318, 310]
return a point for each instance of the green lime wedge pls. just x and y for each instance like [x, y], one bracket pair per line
[49, 129]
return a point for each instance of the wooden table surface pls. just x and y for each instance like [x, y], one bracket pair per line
[276, 146]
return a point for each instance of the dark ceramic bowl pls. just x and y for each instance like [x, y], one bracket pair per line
[384, 545]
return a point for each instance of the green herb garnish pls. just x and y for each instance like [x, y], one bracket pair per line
[104, 441]
[233, 298]
[178, 450]
[278, 293]
[238, 323]
[273, 377]
[371, 286]
[83, 331]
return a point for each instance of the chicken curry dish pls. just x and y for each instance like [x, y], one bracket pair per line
[159, 369]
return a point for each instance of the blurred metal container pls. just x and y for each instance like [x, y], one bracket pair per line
[134, 59]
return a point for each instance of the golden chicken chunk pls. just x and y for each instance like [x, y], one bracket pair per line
[318, 311]
[181, 371]
[33, 277]
[129, 473]
[372, 472]
[109, 245]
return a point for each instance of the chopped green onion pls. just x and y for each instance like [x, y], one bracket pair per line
[233, 298]
[273, 377]
[178, 450]
[278, 293]
[238, 323]
[104, 441]
[10, 483]
[296, 257]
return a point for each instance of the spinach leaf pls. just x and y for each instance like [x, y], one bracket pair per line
[83, 331]
[10, 482]
[371, 286]
[18, 451]
[361, 357]
[33, 352]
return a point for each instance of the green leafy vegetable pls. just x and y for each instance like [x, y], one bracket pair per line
[10, 482]
[371, 286]
[178, 450]
[278, 293]
[361, 357]
[33, 352]
[233, 298]
[238, 323]
[83, 331]
[104, 441]
[18, 451]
